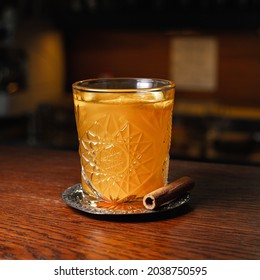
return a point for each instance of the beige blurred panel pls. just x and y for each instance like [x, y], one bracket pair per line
[194, 63]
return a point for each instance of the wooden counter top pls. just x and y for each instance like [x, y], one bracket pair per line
[221, 221]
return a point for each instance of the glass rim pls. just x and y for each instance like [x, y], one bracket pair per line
[83, 85]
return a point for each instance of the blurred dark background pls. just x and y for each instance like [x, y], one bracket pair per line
[210, 49]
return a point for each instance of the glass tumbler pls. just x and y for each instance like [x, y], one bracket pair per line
[124, 132]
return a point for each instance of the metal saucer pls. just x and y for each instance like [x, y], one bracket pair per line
[76, 198]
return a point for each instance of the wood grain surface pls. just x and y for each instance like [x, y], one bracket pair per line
[222, 220]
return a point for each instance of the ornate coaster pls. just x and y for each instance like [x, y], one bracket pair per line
[76, 198]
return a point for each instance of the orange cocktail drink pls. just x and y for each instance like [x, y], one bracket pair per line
[124, 131]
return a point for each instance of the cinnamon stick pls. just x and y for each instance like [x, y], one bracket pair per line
[167, 193]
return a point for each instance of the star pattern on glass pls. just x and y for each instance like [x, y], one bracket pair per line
[111, 160]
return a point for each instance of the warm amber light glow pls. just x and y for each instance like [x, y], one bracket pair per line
[12, 87]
